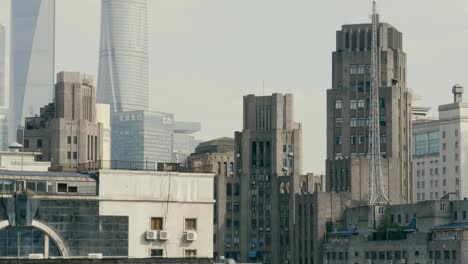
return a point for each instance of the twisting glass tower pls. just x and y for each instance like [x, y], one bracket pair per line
[123, 61]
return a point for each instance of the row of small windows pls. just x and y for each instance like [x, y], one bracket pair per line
[358, 104]
[435, 171]
[361, 139]
[38, 143]
[360, 69]
[224, 167]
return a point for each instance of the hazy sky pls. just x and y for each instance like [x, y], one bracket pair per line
[206, 54]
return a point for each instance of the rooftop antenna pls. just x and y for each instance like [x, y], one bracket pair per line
[376, 195]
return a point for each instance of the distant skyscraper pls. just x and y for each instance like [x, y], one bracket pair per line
[123, 61]
[3, 101]
[32, 57]
[348, 115]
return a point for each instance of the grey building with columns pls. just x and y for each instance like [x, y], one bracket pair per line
[66, 132]
[268, 163]
[348, 117]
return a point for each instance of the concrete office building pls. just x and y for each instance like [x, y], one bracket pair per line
[123, 59]
[439, 156]
[112, 213]
[3, 95]
[214, 156]
[348, 117]
[142, 136]
[103, 117]
[425, 232]
[66, 132]
[184, 142]
[268, 164]
[32, 55]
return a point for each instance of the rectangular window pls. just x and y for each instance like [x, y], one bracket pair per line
[338, 122]
[190, 253]
[26, 143]
[156, 223]
[338, 104]
[338, 140]
[75, 155]
[361, 104]
[69, 155]
[353, 122]
[75, 140]
[352, 105]
[362, 140]
[39, 143]
[69, 140]
[72, 189]
[62, 187]
[190, 224]
[353, 140]
[156, 252]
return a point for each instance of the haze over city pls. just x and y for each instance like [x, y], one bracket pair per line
[205, 55]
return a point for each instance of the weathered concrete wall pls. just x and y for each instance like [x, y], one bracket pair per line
[107, 260]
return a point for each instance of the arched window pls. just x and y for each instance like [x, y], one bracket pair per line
[231, 168]
[228, 189]
[219, 168]
[236, 190]
[282, 188]
[287, 187]
[225, 169]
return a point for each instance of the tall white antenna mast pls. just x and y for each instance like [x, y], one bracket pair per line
[376, 189]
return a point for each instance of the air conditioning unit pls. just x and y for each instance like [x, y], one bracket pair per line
[151, 235]
[36, 256]
[95, 255]
[191, 236]
[163, 235]
[290, 154]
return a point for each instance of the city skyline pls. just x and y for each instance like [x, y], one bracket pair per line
[232, 57]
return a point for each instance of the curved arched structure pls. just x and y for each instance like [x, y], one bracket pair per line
[46, 230]
[123, 59]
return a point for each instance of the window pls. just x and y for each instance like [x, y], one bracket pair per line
[75, 140]
[443, 134]
[362, 140]
[338, 140]
[156, 252]
[39, 143]
[26, 143]
[456, 132]
[156, 223]
[69, 140]
[190, 224]
[352, 105]
[69, 155]
[361, 104]
[72, 189]
[353, 122]
[456, 144]
[338, 104]
[62, 187]
[75, 155]
[353, 140]
[444, 158]
[338, 122]
[353, 69]
[190, 253]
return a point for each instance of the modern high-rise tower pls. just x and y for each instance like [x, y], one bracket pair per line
[3, 100]
[123, 61]
[349, 118]
[32, 57]
[267, 159]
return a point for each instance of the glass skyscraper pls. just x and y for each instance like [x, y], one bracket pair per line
[3, 101]
[32, 57]
[123, 61]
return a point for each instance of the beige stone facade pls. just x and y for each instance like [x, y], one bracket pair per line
[66, 132]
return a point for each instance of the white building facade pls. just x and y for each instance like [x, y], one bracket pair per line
[170, 214]
[440, 152]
